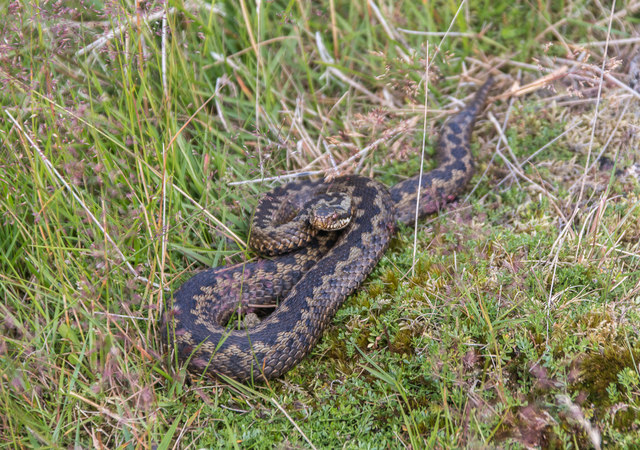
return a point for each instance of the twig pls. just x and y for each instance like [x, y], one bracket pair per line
[287, 176]
[106, 37]
[523, 65]
[632, 40]
[100, 42]
[220, 83]
[225, 58]
[593, 131]
[534, 85]
[258, 69]
[120, 316]
[102, 410]
[505, 141]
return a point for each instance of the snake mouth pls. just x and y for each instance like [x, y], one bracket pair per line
[331, 224]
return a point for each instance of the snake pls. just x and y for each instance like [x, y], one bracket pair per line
[308, 272]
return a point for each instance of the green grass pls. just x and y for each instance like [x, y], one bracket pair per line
[517, 325]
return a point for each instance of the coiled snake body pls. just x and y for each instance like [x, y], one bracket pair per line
[315, 280]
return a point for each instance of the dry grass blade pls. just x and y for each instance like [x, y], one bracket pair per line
[424, 141]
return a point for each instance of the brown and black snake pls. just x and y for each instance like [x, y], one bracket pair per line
[312, 282]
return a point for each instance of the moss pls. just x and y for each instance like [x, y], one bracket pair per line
[626, 420]
[598, 370]
[391, 279]
[403, 342]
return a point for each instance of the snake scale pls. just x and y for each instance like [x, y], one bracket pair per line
[312, 282]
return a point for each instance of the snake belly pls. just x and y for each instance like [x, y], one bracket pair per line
[314, 281]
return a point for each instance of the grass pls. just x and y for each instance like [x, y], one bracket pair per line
[130, 165]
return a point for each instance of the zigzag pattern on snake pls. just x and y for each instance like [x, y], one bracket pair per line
[311, 283]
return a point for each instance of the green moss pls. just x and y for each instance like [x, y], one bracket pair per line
[403, 342]
[599, 371]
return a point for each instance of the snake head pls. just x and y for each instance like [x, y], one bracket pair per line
[331, 211]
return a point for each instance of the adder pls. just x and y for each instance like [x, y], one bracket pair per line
[319, 269]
